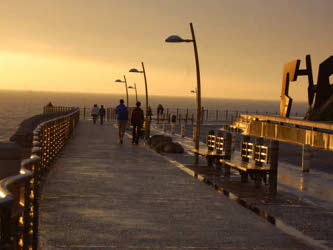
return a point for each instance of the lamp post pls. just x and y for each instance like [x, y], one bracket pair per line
[146, 87]
[118, 80]
[178, 39]
[136, 92]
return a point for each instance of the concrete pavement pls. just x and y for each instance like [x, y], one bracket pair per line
[100, 194]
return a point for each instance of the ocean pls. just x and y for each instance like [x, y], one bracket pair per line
[15, 106]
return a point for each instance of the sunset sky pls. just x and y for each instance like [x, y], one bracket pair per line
[84, 45]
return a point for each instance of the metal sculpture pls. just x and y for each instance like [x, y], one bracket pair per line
[321, 92]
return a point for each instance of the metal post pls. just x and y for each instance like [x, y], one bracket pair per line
[147, 104]
[136, 93]
[198, 94]
[194, 133]
[244, 175]
[186, 116]
[126, 91]
[182, 130]
[177, 114]
[273, 165]
[227, 143]
[202, 114]
[306, 158]
[164, 126]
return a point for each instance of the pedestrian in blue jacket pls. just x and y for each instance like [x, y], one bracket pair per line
[122, 118]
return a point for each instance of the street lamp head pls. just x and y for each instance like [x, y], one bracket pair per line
[176, 39]
[130, 87]
[134, 71]
[193, 91]
[118, 80]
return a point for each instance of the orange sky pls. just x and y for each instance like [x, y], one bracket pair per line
[84, 45]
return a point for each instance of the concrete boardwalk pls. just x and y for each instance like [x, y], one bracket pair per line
[100, 194]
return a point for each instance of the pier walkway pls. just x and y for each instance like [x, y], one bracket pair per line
[100, 194]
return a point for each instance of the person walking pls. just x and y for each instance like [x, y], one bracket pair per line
[94, 113]
[150, 112]
[122, 118]
[137, 120]
[102, 114]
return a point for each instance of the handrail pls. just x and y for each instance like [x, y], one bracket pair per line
[294, 122]
[19, 194]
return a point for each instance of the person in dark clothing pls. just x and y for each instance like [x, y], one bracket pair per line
[102, 114]
[122, 118]
[94, 113]
[149, 112]
[160, 109]
[137, 120]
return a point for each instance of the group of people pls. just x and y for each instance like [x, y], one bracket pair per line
[137, 119]
[98, 112]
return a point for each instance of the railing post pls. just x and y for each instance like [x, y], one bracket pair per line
[244, 175]
[173, 128]
[217, 115]
[194, 133]
[273, 165]
[164, 126]
[182, 130]
[202, 114]
[206, 114]
[227, 145]
[26, 215]
[306, 158]
[226, 115]
[177, 113]
[186, 116]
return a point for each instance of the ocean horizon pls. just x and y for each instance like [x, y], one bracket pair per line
[17, 105]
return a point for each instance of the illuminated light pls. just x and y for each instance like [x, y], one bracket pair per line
[21, 220]
[20, 242]
[22, 203]
[2, 194]
[22, 171]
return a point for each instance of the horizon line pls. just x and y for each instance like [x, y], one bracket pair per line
[99, 93]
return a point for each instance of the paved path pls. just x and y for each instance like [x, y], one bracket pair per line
[104, 195]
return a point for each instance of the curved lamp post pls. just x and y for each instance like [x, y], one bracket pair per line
[178, 39]
[118, 80]
[146, 87]
[136, 92]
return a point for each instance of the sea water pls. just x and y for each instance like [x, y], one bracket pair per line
[15, 106]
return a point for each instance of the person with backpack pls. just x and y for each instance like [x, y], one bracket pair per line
[102, 114]
[137, 120]
[122, 118]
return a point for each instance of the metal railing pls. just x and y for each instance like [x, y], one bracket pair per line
[186, 115]
[19, 194]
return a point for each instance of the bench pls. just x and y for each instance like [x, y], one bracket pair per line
[256, 160]
[218, 147]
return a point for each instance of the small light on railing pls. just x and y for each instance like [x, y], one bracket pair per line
[2, 195]
[22, 171]
[20, 242]
[21, 220]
